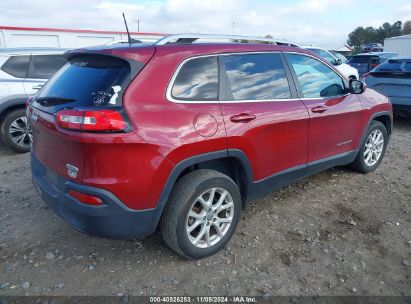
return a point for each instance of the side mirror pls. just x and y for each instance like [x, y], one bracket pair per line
[338, 61]
[357, 86]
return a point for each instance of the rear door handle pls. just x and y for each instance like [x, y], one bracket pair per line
[243, 117]
[318, 109]
[37, 87]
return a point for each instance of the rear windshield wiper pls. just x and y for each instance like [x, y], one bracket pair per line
[52, 101]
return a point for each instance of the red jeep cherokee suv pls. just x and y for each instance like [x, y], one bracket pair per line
[128, 138]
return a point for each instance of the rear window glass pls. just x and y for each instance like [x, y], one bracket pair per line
[96, 80]
[394, 66]
[197, 80]
[17, 66]
[256, 77]
[44, 66]
[360, 59]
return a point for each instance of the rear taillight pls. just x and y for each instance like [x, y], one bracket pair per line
[86, 198]
[373, 65]
[84, 120]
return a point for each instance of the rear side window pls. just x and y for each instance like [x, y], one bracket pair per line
[44, 66]
[256, 77]
[316, 79]
[95, 80]
[17, 66]
[394, 66]
[197, 80]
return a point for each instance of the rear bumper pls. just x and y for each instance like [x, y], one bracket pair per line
[113, 219]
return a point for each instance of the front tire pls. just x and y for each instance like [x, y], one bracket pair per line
[372, 149]
[201, 214]
[15, 131]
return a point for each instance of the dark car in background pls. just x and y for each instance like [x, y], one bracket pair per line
[373, 47]
[393, 79]
[367, 61]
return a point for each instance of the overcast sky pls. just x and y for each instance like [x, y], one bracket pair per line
[324, 23]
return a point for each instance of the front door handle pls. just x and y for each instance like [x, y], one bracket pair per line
[243, 117]
[37, 87]
[318, 109]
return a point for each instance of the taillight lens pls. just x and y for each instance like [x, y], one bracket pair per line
[86, 198]
[373, 65]
[83, 120]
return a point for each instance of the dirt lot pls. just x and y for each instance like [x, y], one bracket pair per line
[336, 233]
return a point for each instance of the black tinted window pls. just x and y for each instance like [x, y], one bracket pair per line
[394, 66]
[315, 78]
[88, 81]
[197, 80]
[360, 59]
[256, 77]
[17, 66]
[44, 66]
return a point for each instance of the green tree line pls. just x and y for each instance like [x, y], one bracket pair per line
[363, 35]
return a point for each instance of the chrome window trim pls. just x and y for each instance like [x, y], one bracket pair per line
[171, 82]
[181, 64]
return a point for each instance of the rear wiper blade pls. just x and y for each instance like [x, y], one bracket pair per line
[52, 100]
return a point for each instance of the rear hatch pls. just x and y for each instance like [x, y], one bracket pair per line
[393, 79]
[361, 63]
[394, 88]
[85, 95]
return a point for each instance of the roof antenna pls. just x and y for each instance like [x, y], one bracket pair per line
[128, 33]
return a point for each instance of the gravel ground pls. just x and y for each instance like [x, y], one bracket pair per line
[335, 233]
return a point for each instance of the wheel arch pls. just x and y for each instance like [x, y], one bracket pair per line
[10, 105]
[384, 117]
[232, 162]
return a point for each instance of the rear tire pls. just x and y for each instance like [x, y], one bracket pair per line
[201, 215]
[15, 132]
[372, 149]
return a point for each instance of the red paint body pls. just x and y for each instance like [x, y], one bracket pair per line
[135, 166]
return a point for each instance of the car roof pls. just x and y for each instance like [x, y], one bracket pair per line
[314, 47]
[32, 50]
[376, 54]
[191, 49]
[400, 59]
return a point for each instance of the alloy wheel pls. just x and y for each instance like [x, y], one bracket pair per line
[20, 132]
[373, 148]
[210, 217]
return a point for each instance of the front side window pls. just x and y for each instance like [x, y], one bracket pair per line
[256, 77]
[44, 66]
[197, 80]
[316, 79]
[327, 56]
[17, 66]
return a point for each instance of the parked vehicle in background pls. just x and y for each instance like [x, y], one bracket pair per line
[393, 79]
[23, 72]
[181, 135]
[348, 71]
[123, 41]
[373, 47]
[367, 61]
[339, 56]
